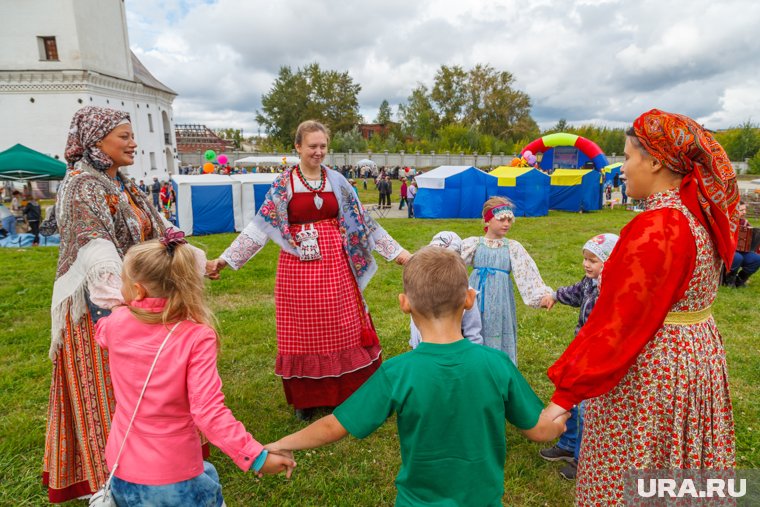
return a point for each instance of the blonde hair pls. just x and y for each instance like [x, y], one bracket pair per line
[493, 202]
[435, 281]
[173, 275]
[309, 126]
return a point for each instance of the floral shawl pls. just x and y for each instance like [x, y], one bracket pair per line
[97, 225]
[356, 225]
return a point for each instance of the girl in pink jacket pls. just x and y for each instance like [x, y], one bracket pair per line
[161, 463]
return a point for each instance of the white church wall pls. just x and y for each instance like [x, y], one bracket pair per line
[38, 98]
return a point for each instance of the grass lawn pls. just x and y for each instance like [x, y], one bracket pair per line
[350, 472]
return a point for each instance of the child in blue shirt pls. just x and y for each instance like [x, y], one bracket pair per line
[582, 295]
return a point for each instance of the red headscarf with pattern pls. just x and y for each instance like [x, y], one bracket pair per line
[89, 126]
[709, 186]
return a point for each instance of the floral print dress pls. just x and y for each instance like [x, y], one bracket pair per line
[651, 358]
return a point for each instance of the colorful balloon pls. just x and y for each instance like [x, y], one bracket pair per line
[515, 162]
[532, 159]
[527, 154]
[222, 159]
[208, 167]
[209, 155]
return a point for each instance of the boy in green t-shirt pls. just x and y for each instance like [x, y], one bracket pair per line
[451, 397]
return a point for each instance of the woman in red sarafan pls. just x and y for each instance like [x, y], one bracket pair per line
[650, 354]
[326, 343]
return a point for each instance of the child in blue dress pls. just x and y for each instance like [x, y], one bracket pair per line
[582, 295]
[493, 258]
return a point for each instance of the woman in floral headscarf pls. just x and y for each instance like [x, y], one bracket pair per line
[100, 214]
[650, 354]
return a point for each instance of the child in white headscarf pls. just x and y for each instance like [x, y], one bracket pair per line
[471, 324]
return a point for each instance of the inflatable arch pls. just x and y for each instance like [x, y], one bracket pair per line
[586, 147]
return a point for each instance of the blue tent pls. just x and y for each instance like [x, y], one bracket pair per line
[611, 171]
[453, 192]
[526, 187]
[253, 189]
[576, 190]
[207, 203]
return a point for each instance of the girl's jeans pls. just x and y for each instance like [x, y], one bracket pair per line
[201, 491]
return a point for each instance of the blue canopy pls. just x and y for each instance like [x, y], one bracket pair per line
[576, 190]
[453, 192]
[526, 187]
[207, 203]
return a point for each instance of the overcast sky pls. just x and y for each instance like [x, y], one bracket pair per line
[588, 61]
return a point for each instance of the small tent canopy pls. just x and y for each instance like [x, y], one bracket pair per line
[262, 160]
[526, 187]
[611, 171]
[253, 189]
[22, 163]
[453, 192]
[207, 203]
[576, 190]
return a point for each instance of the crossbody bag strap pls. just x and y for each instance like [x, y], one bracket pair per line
[137, 406]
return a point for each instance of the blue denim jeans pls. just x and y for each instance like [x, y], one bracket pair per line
[201, 491]
[571, 438]
[748, 261]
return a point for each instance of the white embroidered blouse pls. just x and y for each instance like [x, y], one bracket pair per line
[527, 277]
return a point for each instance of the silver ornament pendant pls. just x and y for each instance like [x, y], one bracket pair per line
[318, 201]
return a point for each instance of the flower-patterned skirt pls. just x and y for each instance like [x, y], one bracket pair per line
[672, 410]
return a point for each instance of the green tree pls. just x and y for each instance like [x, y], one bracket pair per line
[352, 140]
[385, 113]
[494, 106]
[418, 118]
[449, 93]
[310, 93]
[741, 142]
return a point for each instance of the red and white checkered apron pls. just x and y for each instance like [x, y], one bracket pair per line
[320, 313]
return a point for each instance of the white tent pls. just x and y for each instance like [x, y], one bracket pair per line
[207, 203]
[256, 160]
[253, 189]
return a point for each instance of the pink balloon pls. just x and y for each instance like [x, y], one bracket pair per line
[532, 159]
[527, 154]
[222, 159]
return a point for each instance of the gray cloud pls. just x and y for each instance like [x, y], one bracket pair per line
[604, 61]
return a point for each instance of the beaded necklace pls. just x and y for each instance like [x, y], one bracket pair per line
[323, 181]
[118, 182]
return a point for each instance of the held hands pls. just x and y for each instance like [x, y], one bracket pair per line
[403, 257]
[276, 462]
[557, 417]
[547, 301]
[214, 267]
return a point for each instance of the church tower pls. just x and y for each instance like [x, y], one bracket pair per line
[57, 56]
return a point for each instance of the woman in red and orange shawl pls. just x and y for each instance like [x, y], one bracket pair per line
[650, 357]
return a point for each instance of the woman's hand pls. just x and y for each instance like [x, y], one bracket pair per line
[214, 267]
[403, 257]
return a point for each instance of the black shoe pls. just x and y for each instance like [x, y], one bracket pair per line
[730, 279]
[557, 454]
[569, 471]
[741, 279]
[304, 414]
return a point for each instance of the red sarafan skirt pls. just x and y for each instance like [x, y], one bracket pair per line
[326, 343]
